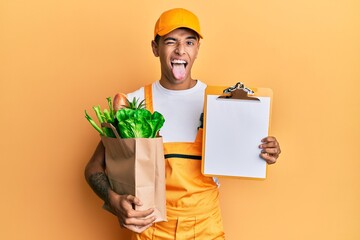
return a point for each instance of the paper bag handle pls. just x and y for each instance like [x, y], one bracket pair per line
[109, 125]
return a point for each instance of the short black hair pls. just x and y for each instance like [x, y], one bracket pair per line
[157, 39]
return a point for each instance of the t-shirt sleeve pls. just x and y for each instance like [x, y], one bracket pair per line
[138, 94]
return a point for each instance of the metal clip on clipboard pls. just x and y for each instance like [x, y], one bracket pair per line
[238, 91]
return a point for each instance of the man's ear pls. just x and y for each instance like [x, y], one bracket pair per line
[155, 48]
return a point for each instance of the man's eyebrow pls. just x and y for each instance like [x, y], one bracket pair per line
[192, 37]
[174, 39]
[169, 38]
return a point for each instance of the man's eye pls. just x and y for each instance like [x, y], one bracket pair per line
[190, 43]
[169, 42]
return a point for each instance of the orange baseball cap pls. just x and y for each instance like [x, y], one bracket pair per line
[176, 18]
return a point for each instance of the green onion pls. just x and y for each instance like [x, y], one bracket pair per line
[93, 123]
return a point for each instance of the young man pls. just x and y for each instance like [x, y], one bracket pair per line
[192, 199]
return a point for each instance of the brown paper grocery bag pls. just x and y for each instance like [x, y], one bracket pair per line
[136, 166]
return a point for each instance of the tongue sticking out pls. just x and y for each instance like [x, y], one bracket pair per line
[179, 71]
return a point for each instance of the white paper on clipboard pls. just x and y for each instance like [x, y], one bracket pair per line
[233, 132]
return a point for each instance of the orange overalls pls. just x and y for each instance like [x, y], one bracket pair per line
[192, 199]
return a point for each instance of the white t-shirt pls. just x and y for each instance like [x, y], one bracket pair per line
[181, 109]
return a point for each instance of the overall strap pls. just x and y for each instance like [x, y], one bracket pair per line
[148, 98]
[150, 107]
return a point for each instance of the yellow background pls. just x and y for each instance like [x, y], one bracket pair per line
[58, 58]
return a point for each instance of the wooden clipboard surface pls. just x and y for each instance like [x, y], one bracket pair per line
[233, 130]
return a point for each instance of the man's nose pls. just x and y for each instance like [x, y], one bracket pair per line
[180, 49]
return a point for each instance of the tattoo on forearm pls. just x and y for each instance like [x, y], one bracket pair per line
[100, 184]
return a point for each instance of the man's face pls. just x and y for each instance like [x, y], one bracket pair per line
[177, 51]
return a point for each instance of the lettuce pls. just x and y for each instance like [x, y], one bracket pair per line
[138, 123]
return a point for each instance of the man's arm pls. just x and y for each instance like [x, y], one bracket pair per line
[120, 205]
[95, 174]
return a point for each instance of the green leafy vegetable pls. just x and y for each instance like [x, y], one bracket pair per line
[133, 121]
[139, 123]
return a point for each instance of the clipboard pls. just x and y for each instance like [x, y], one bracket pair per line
[234, 124]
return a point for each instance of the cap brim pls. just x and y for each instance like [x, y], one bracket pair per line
[172, 28]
